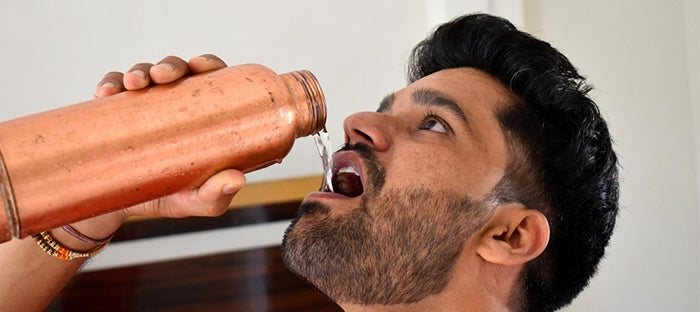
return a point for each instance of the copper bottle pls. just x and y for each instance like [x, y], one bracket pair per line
[91, 158]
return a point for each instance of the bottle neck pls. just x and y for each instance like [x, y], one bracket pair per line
[311, 102]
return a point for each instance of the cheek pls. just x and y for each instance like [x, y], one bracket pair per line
[413, 167]
[470, 172]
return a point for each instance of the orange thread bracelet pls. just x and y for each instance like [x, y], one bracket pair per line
[53, 248]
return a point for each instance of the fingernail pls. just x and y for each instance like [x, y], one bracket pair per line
[104, 89]
[201, 58]
[166, 66]
[229, 189]
[108, 85]
[138, 72]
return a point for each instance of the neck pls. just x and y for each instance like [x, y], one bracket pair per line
[476, 285]
[438, 303]
[428, 305]
[425, 305]
[456, 297]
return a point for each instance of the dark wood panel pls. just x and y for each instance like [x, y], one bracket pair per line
[234, 217]
[253, 280]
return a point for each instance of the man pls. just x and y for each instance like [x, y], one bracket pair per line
[465, 173]
[487, 184]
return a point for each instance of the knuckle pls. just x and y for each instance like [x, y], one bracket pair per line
[215, 210]
[114, 75]
[173, 60]
[114, 78]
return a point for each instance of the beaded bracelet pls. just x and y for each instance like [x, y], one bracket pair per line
[53, 248]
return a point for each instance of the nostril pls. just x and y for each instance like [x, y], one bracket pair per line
[364, 135]
[369, 128]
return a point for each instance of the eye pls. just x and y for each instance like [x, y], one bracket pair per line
[434, 123]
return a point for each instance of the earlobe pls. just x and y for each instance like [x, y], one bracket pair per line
[513, 236]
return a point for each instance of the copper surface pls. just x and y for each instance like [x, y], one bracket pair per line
[110, 153]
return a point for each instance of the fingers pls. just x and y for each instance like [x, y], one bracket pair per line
[204, 63]
[111, 83]
[169, 69]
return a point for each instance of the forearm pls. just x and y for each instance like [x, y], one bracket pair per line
[30, 278]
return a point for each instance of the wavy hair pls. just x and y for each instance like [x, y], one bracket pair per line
[561, 159]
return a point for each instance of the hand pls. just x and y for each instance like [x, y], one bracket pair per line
[167, 70]
[34, 278]
[212, 198]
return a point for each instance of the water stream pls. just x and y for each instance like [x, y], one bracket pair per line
[325, 150]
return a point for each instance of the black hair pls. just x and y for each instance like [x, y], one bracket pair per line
[561, 159]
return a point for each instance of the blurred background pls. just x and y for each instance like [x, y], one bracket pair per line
[642, 56]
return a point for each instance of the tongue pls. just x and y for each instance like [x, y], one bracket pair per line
[348, 184]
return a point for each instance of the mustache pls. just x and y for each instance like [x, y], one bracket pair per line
[361, 148]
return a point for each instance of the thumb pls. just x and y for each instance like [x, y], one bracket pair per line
[214, 196]
[223, 185]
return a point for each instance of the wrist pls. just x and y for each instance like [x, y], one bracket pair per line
[95, 229]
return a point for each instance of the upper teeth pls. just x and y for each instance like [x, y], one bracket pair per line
[348, 169]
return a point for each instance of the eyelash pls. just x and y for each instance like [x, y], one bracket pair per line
[428, 116]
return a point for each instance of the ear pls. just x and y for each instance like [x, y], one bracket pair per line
[513, 236]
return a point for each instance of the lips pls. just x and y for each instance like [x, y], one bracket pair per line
[347, 176]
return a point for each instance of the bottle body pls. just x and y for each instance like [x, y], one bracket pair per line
[87, 159]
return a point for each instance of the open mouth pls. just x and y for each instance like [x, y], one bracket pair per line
[347, 178]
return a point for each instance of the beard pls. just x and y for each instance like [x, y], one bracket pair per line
[398, 247]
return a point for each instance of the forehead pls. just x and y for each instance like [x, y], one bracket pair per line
[469, 87]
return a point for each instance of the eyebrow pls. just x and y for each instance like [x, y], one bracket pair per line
[427, 97]
[386, 103]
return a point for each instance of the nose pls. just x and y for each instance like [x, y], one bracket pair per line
[369, 128]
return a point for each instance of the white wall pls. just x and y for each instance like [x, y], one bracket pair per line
[692, 23]
[642, 57]
[55, 52]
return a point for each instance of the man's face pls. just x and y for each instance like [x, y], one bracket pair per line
[410, 187]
